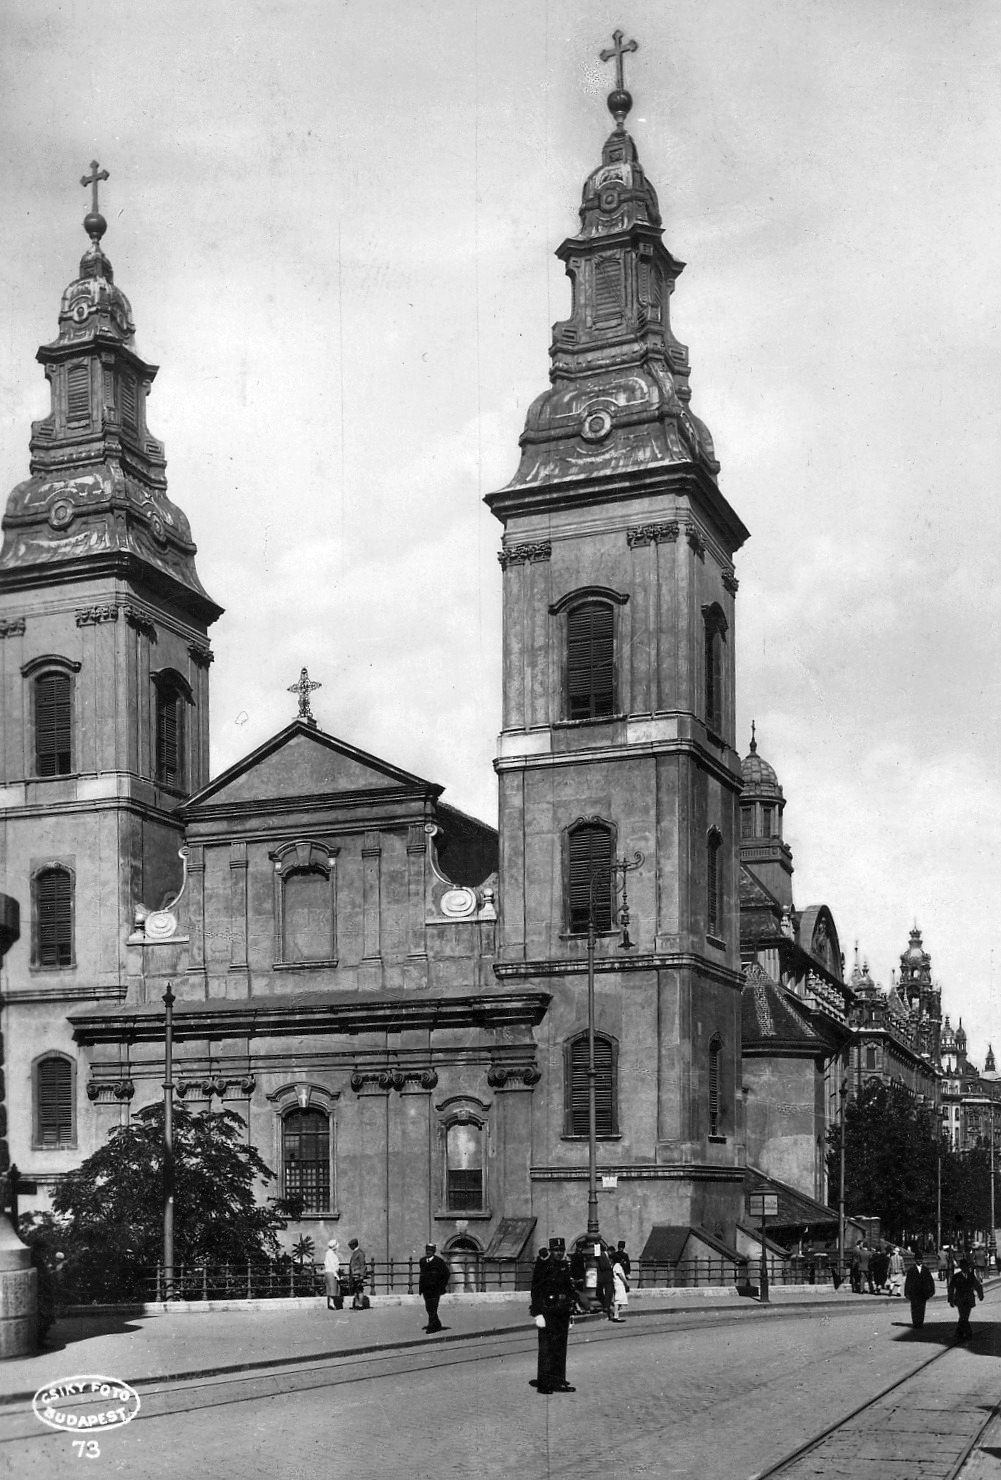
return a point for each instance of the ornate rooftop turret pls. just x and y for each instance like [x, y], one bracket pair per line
[990, 1067]
[619, 398]
[96, 501]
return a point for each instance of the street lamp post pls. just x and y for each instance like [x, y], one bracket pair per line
[841, 1177]
[168, 1143]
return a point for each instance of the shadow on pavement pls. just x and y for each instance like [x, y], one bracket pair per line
[985, 1342]
[72, 1329]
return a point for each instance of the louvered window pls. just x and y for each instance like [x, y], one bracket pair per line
[713, 847]
[53, 724]
[605, 1094]
[608, 290]
[715, 627]
[78, 392]
[714, 1059]
[589, 858]
[54, 918]
[464, 1168]
[129, 400]
[306, 1158]
[169, 736]
[590, 660]
[54, 1102]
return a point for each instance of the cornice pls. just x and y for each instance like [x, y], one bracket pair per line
[619, 965]
[680, 1172]
[320, 1015]
[627, 750]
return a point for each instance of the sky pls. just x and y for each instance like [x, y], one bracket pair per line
[336, 223]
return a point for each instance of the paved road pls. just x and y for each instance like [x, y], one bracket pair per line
[719, 1400]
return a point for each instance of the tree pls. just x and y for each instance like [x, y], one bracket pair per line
[891, 1160]
[108, 1213]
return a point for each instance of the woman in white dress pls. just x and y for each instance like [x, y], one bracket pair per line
[331, 1273]
[620, 1297]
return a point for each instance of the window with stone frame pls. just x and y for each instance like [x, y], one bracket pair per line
[715, 1059]
[590, 844]
[464, 1167]
[714, 901]
[590, 660]
[52, 909]
[306, 1160]
[576, 1086]
[54, 1102]
[172, 699]
[305, 904]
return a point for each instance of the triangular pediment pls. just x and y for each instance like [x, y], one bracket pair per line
[304, 762]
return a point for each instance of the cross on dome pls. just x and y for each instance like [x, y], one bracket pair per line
[619, 101]
[304, 688]
[94, 223]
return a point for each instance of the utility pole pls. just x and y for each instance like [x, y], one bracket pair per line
[168, 1143]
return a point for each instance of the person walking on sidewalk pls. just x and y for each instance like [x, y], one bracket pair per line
[621, 1257]
[621, 1296]
[965, 1290]
[552, 1302]
[332, 1275]
[432, 1283]
[919, 1287]
[357, 1266]
[896, 1272]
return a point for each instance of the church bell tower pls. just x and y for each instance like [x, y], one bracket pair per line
[619, 781]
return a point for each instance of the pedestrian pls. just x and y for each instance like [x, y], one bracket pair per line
[865, 1267]
[605, 1288]
[965, 1290]
[357, 1266]
[896, 1272]
[879, 1267]
[621, 1257]
[432, 1284]
[552, 1302]
[919, 1287]
[332, 1275]
[856, 1272]
[621, 1291]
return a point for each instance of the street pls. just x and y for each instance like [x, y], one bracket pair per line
[718, 1396]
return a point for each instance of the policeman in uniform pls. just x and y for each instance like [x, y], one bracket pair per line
[552, 1302]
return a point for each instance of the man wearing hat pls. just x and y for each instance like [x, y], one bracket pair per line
[432, 1283]
[552, 1302]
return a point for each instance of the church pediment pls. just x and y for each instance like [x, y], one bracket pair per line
[302, 762]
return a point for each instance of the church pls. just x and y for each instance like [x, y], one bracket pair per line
[392, 994]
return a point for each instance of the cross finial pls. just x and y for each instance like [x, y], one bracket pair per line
[93, 180]
[754, 742]
[304, 688]
[619, 101]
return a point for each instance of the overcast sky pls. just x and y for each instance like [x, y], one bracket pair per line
[336, 223]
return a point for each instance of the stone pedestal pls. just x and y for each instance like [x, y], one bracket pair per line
[18, 1295]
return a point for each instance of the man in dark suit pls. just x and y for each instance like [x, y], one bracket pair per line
[432, 1284]
[552, 1302]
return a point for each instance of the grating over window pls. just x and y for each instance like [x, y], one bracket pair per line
[464, 1168]
[53, 729]
[54, 1102]
[714, 1057]
[307, 933]
[306, 1158]
[712, 883]
[589, 849]
[590, 660]
[169, 737]
[605, 1109]
[78, 392]
[54, 918]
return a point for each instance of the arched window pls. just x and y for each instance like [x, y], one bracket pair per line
[305, 903]
[306, 1159]
[589, 875]
[714, 633]
[52, 917]
[714, 844]
[54, 1090]
[590, 660]
[53, 724]
[172, 699]
[575, 1082]
[464, 1192]
[715, 1053]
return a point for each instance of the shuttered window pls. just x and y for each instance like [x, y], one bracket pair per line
[54, 1102]
[712, 883]
[306, 1158]
[464, 1168]
[590, 660]
[54, 918]
[605, 1095]
[128, 400]
[609, 292]
[714, 1060]
[53, 724]
[78, 393]
[589, 857]
[169, 736]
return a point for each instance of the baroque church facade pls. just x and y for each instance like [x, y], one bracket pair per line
[393, 995]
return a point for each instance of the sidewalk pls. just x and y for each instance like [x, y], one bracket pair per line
[162, 1346]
